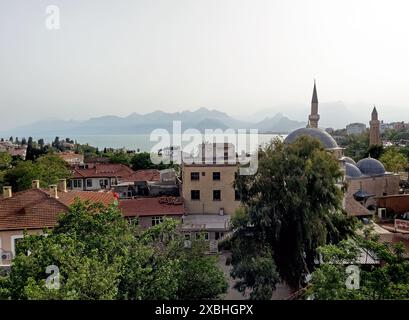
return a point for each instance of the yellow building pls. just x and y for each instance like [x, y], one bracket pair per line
[209, 196]
[208, 189]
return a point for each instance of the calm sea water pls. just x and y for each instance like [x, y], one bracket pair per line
[143, 142]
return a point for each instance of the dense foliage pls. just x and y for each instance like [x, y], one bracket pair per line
[48, 169]
[389, 279]
[291, 207]
[394, 160]
[100, 255]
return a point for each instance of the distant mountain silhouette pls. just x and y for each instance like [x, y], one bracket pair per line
[334, 114]
[200, 119]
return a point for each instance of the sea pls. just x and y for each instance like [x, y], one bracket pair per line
[152, 143]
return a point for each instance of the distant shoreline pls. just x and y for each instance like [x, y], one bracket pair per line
[133, 141]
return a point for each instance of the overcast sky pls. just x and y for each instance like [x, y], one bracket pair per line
[239, 56]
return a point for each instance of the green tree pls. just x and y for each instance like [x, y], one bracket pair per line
[198, 272]
[5, 160]
[387, 280]
[142, 161]
[394, 160]
[20, 176]
[48, 169]
[102, 256]
[292, 205]
[119, 157]
[356, 145]
[374, 151]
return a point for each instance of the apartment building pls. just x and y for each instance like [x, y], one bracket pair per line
[208, 189]
[210, 199]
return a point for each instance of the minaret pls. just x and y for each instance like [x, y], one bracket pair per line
[374, 129]
[314, 117]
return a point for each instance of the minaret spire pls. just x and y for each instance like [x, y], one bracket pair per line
[314, 116]
[314, 93]
[374, 129]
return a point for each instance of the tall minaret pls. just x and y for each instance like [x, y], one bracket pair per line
[314, 116]
[374, 129]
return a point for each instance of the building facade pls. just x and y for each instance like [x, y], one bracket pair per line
[208, 189]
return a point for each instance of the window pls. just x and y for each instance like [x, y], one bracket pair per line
[217, 195]
[203, 173]
[216, 175]
[156, 220]
[77, 183]
[195, 194]
[101, 182]
[236, 195]
[106, 182]
[89, 183]
[194, 176]
[187, 236]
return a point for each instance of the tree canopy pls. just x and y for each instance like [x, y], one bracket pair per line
[291, 206]
[394, 160]
[48, 169]
[387, 280]
[100, 255]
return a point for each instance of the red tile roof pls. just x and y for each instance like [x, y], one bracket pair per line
[143, 175]
[355, 208]
[159, 206]
[35, 209]
[102, 170]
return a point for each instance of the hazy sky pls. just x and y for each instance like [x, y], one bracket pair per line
[239, 56]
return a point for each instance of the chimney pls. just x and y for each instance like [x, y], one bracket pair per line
[53, 191]
[35, 184]
[62, 185]
[7, 193]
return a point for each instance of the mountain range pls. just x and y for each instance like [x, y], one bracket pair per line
[135, 123]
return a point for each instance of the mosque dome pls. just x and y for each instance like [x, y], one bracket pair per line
[371, 167]
[348, 160]
[323, 136]
[352, 170]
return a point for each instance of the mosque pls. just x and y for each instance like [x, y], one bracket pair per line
[365, 180]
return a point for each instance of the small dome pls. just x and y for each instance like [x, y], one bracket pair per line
[349, 160]
[327, 141]
[371, 167]
[352, 170]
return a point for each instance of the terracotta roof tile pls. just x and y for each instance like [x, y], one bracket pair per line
[159, 206]
[35, 209]
[102, 170]
[143, 175]
[354, 208]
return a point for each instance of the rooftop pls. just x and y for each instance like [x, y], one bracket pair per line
[324, 137]
[152, 206]
[36, 209]
[208, 222]
[102, 170]
[143, 175]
